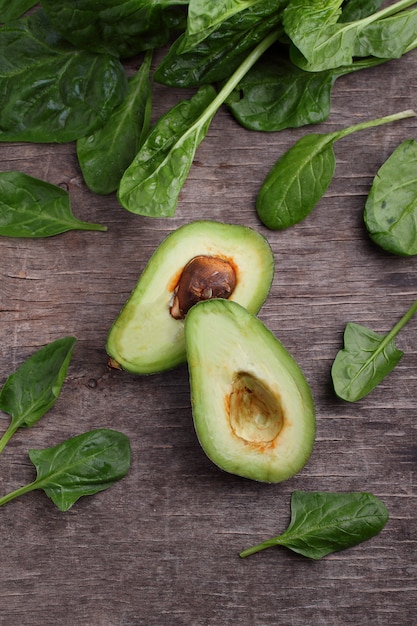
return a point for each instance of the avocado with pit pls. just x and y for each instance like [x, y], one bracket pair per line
[198, 261]
[252, 407]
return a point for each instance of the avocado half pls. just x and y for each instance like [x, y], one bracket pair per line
[198, 261]
[252, 407]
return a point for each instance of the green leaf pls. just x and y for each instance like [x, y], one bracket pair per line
[214, 59]
[12, 10]
[323, 42]
[388, 38]
[50, 91]
[80, 466]
[296, 182]
[354, 10]
[391, 206]
[205, 16]
[301, 176]
[118, 27]
[366, 359]
[105, 155]
[314, 30]
[322, 523]
[30, 207]
[35, 386]
[276, 94]
[152, 183]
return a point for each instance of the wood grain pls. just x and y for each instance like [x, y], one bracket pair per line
[161, 547]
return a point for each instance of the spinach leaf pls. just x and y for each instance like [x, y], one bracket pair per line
[118, 27]
[219, 55]
[315, 34]
[322, 523]
[30, 207]
[105, 155]
[206, 16]
[353, 10]
[80, 466]
[51, 92]
[301, 176]
[389, 38]
[366, 359]
[35, 386]
[391, 207]
[12, 10]
[321, 41]
[276, 94]
[152, 183]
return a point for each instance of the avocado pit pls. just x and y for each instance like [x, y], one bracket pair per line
[255, 413]
[203, 278]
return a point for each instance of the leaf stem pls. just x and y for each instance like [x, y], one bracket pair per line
[90, 226]
[7, 436]
[401, 323]
[269, 543]
[380, 15]
[237, 76]
[19, 492]
[394, 331]
[393, 9]
[373, 123]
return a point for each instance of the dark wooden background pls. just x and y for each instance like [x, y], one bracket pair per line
[161, 546]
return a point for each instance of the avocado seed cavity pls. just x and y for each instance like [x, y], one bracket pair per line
[203, 278]
[255, 413]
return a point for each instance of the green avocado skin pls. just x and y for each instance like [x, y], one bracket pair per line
[227, 344]
[145, 338]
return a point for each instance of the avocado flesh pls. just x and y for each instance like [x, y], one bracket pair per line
[145, 338]
[252, 407]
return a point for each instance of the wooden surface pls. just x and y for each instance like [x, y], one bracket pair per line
[161, 546]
